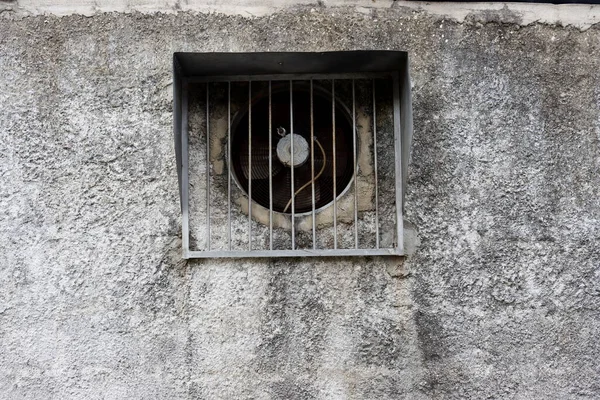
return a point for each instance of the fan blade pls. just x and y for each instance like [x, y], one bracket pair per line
[260, 159]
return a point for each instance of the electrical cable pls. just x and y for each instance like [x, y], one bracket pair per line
[312, 180]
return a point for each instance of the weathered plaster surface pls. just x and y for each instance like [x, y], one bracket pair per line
[501, 299]
[578, 15]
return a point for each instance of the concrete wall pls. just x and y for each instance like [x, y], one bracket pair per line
[500, 300]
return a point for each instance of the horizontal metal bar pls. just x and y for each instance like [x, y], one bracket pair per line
[294, 253]
[287, 77]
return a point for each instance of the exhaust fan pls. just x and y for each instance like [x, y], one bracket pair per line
[317, 148]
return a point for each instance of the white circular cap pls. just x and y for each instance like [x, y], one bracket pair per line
[284, 150]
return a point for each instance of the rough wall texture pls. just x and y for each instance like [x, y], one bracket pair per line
[501, 300]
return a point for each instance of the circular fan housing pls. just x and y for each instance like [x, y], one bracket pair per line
[260, 148]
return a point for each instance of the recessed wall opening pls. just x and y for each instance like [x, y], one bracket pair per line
[282, 163]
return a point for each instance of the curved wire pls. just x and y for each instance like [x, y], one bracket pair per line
[312, 180]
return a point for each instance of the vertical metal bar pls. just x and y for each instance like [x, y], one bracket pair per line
[355, 171]
[185, 225]
[229, 164]
[292, 162]
[270, 173]
[398, 164]
[375, 166]
[249, 165]
[312, 166]
[334, 165]
[207, 169]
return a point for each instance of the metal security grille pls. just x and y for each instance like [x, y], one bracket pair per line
[292, 154]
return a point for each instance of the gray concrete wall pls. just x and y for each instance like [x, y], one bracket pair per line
[501, 299]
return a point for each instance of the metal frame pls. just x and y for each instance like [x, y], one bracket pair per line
[234, 67]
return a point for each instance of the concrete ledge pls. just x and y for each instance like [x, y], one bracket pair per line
[576, 15]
